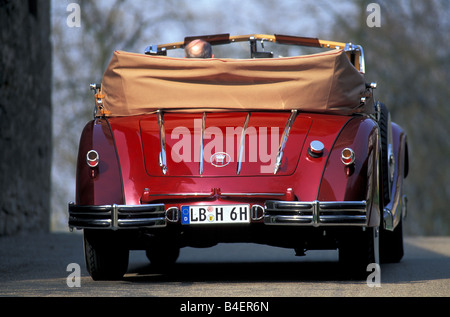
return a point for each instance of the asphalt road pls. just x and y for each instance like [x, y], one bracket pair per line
[37, 266]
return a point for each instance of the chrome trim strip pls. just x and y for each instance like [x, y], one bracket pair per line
[283, 141]
[392, 212]
[362, 63]
[144, 222]
[352, 206]
[352, 47]
[252, 194]
[202, 136]
[162, 139]
[221, 194]
[182, 194]
[242, 145]
[115, 217]
[316, 213]
[388, 219]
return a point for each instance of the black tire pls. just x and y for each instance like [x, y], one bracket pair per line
[105, 258]
[357, 251]
[391, 244]
[384, 133]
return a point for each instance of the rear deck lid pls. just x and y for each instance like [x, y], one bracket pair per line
[221, 144]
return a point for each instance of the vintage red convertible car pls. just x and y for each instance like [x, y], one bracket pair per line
[287, 151]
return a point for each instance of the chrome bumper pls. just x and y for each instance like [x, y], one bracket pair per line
[116, 216]
[294, 213]
[316, 213]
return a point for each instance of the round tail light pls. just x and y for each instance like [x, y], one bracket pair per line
[347, 156]
[92, 158]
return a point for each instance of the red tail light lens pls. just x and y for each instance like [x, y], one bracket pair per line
[348, 156]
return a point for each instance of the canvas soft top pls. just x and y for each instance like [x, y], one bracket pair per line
[135, 84]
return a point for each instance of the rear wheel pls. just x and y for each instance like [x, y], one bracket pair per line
[391, 244]
[106, 258]
[358, 250]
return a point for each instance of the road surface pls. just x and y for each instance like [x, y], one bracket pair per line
[37, 266]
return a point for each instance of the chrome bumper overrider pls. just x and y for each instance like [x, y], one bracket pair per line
[316, 213]
[295, 213]
[116, 216]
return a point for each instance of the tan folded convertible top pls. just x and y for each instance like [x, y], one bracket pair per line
[135, 84]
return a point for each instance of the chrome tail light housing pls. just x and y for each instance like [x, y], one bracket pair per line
[348, 156]
[92, 158]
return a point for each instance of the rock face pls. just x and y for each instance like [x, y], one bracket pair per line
[25, 116]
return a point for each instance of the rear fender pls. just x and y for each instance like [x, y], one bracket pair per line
[358, 181]
[101, 185]
[396, 208]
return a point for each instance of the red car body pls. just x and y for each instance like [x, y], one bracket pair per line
[163, 180]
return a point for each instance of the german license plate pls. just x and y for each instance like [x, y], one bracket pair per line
[215, 214]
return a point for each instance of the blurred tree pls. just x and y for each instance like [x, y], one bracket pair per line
[408, 57]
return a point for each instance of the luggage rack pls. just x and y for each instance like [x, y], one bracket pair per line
[354, 52]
